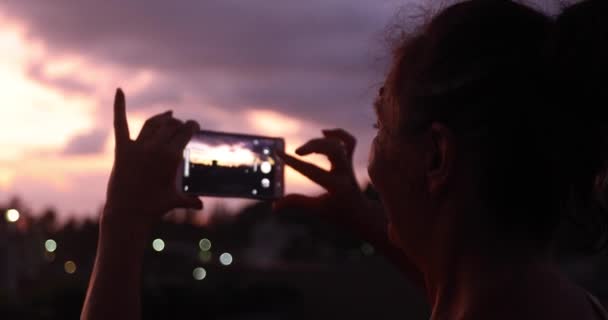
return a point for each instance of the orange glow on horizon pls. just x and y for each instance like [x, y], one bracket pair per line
[272, 123]
[224, 155]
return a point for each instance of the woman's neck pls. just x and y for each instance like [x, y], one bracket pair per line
[468, 270]
[472, 284]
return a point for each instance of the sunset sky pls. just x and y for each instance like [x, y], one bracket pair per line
[269, 67]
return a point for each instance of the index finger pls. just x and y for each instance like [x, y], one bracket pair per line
[342, 135]
[121, 126]
[309, 170]
[183, 135]
[331, 148]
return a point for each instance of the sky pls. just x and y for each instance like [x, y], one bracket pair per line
[268, 67]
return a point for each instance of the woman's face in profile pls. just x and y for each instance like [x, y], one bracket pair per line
[396, 173]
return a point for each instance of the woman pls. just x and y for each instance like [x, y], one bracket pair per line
[472, 162]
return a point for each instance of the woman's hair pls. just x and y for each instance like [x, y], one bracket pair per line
[522, 92]
[579, 70]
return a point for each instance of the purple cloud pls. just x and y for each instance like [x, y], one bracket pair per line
[91, 142]
[315, 59]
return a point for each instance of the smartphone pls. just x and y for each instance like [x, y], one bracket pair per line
[221, 164]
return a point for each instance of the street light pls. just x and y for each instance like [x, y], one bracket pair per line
[226, 259]
[50, 245]
[12, 215]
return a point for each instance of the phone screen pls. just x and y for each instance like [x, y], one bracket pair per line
[232, 165]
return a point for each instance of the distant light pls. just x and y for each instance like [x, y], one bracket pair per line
[255, 142]
[204, 256]
[265, 167]
[205, 244]
[50, 245]
[266, 151]
[367, 249]
[12, 215]
[226, 259]
[265, 183]
[158, 245]
[69, 267]
[254, 191]
[199, 273]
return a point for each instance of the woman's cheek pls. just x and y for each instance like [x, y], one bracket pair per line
[379, 167]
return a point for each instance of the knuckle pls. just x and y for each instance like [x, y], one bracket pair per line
[148, 122]
[193, 124]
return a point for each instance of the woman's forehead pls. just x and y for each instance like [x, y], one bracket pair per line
[387, 109]
[379, 103]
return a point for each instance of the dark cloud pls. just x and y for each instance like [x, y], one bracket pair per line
[311, 59]
[248, 37]
[91, 142]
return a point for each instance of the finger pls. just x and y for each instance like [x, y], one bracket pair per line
[312, 172]
[168, 128]
[187, 202]
[121, 126]
[331, 148]
[349, 141]
[183, 135]
[298, 201]
[152, 124]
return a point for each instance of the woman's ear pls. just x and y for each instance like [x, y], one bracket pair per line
[441, 145]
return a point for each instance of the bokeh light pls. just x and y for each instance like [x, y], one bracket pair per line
[199, 273]
[69, 267]
[158, 245]
[12, 215]
[205, 244]
[50, 245]
[226, 259]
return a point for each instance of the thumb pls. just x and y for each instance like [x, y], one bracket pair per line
[188, 202]
[298, 201]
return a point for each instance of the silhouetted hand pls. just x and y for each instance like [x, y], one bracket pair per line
[142, 184]
[344, 203]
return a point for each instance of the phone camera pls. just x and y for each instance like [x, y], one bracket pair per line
[265, 183]
[265, 167]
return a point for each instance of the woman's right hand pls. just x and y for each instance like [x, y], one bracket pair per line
[343, 204]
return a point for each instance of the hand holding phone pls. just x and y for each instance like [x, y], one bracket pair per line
[236, 165]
